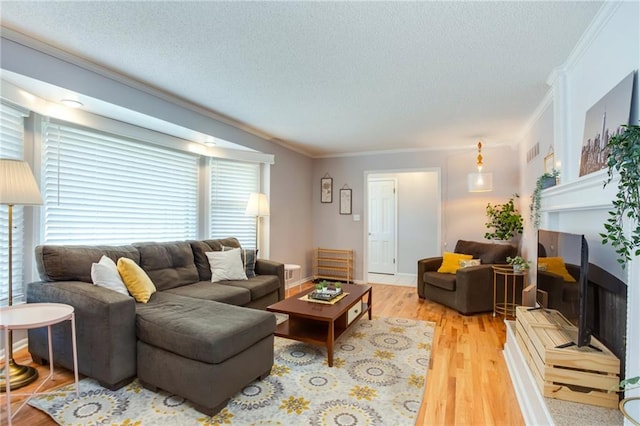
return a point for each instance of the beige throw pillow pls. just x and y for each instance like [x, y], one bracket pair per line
[226, 265]
[105, 274]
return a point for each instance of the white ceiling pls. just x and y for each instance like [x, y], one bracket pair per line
[331, 77]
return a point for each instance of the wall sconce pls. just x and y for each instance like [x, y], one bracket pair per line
[480, 182]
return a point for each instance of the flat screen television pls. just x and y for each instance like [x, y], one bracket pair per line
[572, 251]
[596, 303]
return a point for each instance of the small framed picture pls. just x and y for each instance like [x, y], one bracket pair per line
[345, 201]
[326, 190]
[549, 163]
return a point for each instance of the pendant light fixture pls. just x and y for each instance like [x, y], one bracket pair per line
[479, 181]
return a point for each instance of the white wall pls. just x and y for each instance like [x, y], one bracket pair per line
[419, 208]
[609, 50]
[418, 216]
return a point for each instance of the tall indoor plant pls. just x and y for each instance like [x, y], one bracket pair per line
[624, 160]
[504, 220]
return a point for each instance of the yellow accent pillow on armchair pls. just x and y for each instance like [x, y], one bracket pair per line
[136, 280]
[556, 265]
[451, 262]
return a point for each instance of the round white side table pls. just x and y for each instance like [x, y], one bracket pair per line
[36, 315]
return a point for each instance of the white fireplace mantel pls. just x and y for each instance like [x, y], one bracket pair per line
[559, 206]
[585, 193]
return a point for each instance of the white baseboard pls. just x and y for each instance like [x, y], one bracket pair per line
[298, 282]
[17, 346]
[534, 410]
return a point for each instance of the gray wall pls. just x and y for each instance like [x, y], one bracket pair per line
[290, 221]
[463, 213]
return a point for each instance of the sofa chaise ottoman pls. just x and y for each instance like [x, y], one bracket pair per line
[202, 350]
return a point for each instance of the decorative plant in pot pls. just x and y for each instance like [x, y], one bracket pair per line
[505, 222]
[624, 159]
[519, 264]
[545, 181]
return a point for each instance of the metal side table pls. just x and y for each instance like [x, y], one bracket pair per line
[35, 315]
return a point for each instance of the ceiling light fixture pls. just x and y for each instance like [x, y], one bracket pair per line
[71, 103]
[480, 182]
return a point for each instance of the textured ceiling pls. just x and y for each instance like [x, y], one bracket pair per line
[331, 77]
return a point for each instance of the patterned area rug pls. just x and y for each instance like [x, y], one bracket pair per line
[378, 378]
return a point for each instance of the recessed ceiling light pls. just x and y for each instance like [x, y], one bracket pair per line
[71, 103]
[210, 140]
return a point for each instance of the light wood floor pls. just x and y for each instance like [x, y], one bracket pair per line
[467, 383]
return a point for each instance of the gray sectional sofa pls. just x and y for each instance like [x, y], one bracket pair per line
[194, 338]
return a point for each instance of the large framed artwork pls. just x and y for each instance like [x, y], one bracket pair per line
[603, 121]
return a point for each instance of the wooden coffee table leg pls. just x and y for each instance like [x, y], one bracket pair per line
[369, 301]
[330, 339]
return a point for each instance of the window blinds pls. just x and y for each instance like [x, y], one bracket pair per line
[105, 189]
[231, 184]
[11, 146]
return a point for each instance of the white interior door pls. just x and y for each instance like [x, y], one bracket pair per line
[382, 226]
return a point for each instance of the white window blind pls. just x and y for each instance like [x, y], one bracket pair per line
[105, 189]
[11, 146]
[231, 184]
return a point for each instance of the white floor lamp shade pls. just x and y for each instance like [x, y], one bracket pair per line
[17, 187]
[257, 206]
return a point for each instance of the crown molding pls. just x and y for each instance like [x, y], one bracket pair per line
[58, 53]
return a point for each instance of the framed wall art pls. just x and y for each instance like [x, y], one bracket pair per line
[345, 201]
[603, 121]
[326, 189]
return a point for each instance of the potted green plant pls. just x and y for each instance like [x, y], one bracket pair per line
[504, 221]
[624, 159]
[545, 181]
[519, 264]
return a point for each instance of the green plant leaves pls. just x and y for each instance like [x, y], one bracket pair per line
[624, 158]
[534, 206]
[504, 219]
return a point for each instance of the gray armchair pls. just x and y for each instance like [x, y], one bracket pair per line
[470, 289]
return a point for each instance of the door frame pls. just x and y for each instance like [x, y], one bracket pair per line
[365, 222]
[392, 177]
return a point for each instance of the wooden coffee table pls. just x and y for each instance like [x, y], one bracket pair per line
[322, 324]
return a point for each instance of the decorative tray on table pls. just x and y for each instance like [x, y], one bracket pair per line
[326, 295]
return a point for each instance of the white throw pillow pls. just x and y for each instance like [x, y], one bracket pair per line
[226, 265]
[105, 274]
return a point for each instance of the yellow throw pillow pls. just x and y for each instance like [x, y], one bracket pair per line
[555, 265]
[451, 262]
[137, 281]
